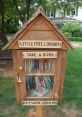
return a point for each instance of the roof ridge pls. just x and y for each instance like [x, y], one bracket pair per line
[38, 11]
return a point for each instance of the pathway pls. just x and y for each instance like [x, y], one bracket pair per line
[76, 44]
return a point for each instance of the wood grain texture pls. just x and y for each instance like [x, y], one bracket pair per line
[36, 31]
[20, 87]
[63, 68]
[39, 111]
[15, 70]
[21, 73]
[58, 75]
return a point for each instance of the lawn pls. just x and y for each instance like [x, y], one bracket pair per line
[8, 105]
[73, 80]
[71, 104]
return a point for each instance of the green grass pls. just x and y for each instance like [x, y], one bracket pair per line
[72, 90]
[8, 105]
[72, 99]
[73, 80]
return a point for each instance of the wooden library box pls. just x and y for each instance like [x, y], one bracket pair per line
[39, 61]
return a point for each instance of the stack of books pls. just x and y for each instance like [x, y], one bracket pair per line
[41, 93]
[39, 84]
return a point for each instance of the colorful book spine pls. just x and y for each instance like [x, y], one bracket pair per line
[33, 82]
[42, 81]
[41, 65]
[30, 66]
[46, 64]
[37, 81]
[47, 82]
[40, 94]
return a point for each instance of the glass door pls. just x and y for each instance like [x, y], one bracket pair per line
[39, 75]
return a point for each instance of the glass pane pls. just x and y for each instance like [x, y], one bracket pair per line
[39, 77]
[39, 86]
[39, 66]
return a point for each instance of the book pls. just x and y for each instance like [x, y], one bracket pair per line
[38, 84]
[42, 81]
[47, 82]
[41, 65]
[43, 92]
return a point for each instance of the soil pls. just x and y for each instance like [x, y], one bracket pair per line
[56, 112]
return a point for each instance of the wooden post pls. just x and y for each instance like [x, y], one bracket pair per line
[39, 111]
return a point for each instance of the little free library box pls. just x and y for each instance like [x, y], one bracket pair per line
[39, 60]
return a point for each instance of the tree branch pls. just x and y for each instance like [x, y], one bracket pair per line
[19, 13]
[28, 2]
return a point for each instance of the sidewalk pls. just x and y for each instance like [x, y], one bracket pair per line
[76, 44]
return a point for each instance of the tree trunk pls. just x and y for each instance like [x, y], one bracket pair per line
[2, 32]
[28, 2]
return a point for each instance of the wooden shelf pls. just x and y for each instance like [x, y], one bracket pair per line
[37, 98]
[40, 74]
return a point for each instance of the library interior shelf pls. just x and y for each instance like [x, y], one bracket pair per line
[39, 75]
[39, 61]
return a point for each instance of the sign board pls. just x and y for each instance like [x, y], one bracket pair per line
[39, 44]
[42, 54]
[34, 103]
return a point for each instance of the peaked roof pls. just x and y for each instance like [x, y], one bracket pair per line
[35, 15]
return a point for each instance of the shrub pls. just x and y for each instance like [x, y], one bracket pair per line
[67, 34]
[71, 27]
[75, 38]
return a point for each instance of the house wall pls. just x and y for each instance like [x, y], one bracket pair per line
[77, 15]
